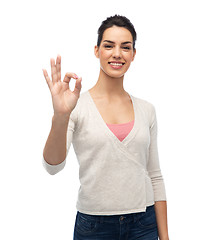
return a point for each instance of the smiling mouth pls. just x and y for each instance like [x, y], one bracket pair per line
[116, 64]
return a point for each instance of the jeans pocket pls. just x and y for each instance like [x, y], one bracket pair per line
[86, 224]
[148, 219]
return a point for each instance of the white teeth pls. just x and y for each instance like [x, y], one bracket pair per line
[116, 64]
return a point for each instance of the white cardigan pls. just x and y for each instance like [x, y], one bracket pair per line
[116, 177]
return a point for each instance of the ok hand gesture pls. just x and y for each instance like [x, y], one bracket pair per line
[64, 100]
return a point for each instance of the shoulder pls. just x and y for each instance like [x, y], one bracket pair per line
[80, 103]
[144, 104]
[81, 106]
[146, 108]
[83, 100]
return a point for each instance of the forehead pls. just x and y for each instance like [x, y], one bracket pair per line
[117, 34]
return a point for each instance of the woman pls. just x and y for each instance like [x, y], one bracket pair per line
[114, 135]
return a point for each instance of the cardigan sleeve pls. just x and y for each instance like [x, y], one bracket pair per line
[53, 169]
[153, 165]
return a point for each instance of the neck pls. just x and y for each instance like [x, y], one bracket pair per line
[109, 86]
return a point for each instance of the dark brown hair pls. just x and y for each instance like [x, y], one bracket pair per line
[119, 21]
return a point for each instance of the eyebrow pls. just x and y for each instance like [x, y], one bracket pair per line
[114, 42]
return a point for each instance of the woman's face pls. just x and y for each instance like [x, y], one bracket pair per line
[115, 51]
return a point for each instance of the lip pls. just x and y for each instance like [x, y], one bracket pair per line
[114, 66]
[116, 62]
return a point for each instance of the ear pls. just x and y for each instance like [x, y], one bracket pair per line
[134, 55]
[96, 51]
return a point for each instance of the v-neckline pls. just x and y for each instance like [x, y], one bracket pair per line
[103, 124]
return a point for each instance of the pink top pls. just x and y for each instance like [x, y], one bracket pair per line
[121, 130]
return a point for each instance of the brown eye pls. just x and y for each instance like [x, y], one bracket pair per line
[107, 46]
[127, 48]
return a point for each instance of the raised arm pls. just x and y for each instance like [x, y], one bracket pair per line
[64, 101]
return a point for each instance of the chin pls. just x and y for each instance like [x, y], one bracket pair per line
[114, 74]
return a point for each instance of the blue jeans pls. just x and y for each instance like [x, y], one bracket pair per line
[140, 226]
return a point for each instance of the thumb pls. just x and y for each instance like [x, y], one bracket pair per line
[78, 86]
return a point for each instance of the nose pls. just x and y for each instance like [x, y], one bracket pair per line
[116, 52]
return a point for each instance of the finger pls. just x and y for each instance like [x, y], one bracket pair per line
[58, 67]
[49, 82]
[78, 86]
[53, 70]
[68, 76]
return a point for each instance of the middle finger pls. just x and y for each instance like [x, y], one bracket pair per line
[58, 67]
[53, 70]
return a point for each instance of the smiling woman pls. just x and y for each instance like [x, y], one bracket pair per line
[114, 135]
[124, 46]
[115, 51]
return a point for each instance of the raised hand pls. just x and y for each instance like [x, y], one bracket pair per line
[64, 100]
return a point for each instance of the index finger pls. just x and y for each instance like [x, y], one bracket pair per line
[68, 76]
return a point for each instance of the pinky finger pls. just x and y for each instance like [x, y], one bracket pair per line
[49, 82]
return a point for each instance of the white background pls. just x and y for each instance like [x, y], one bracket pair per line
[172, 70]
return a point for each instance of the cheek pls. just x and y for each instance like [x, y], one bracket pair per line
[127, 55]
[129, 59]
[104, 54]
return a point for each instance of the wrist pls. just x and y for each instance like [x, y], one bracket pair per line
[60, 118]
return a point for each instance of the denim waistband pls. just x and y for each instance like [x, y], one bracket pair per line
[118, 218]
